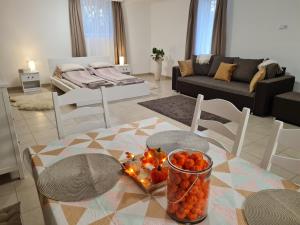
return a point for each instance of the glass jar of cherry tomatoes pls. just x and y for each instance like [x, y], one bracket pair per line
[188, 185]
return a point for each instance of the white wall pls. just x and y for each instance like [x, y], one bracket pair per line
[32, 29]
[137, 23]
[39, 29]
[168, 30]
[253, 31]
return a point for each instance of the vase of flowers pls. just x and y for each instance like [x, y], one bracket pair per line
[158, 56]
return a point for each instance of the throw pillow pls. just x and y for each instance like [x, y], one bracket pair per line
[97, 65]
[217, 60]
[225, 71]
[70, 67]
[186, 67]
[260, 75]
[11, 215]
[273, 70]
[246, 68]
[201, 69]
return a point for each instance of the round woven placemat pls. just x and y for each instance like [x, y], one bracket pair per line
[273, 207]
[79, 177]
[177, 139]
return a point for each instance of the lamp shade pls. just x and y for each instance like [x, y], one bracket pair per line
[121, 60]
[31, 65]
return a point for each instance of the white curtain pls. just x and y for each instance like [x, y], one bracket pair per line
[204, 26]
[98, 27]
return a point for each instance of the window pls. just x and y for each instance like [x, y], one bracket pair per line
[98, 27]
[204, 26]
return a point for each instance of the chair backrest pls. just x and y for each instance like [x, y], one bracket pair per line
[94, 103]
[226, 110]
[288, 138]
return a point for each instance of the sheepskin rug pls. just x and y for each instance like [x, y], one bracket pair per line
[33, 102]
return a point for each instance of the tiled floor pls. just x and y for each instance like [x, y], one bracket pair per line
[40, 128]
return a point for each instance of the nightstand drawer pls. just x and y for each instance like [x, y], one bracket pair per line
[123, 69]
[30, 77]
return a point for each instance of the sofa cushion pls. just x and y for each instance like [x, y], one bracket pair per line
[273, 70]
[201, 69]
[232, 87]
[186, 67]
[216, 63]
[246, 69]
[225, 71]
[260, 75]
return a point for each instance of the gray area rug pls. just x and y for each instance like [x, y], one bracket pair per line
[79, 177]
[180, 108]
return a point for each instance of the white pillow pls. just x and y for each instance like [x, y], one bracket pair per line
[100, 64]
[70, 67]
[203, 59]
[266, 63]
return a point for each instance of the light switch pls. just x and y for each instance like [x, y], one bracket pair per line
[283, 27]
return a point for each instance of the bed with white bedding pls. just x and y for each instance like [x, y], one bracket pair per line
[115, 90]
[84, 79]
[111, 74]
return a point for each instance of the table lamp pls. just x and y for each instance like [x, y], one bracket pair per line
[31, 65]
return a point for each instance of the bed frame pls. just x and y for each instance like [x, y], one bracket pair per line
[113, 93]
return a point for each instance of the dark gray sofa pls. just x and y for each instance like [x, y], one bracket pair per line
[237, 92]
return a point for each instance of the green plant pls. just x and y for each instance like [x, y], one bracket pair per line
[157, 54]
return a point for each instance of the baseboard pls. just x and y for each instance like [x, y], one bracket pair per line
[152, 74]
[19, 88]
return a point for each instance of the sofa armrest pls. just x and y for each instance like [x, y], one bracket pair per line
[267, 89]
[175, 74]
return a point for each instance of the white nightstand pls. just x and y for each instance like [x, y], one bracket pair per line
[30, 81]
[123, 68]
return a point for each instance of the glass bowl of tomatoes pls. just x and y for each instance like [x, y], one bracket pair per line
[188, 185]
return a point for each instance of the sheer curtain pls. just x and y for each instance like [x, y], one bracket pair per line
[204, 26]
[98, 27]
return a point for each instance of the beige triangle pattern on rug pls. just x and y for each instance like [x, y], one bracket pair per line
[159, 193]
[107, 138]
[92, 135]
[244, 192]
[159, 120]
[115, 153]
[135, 124]
[149, 127]
[78, 141]
[230, 156]
[155, 210]
[290, 185]
[224, 168]
[54, 152]
[72, 213]
[104, 221]
[95, 144]
[141, 133]
[38, 148]
[240, 217]
[122, 130]
[36, 161]
[129, 199]
[217, 182]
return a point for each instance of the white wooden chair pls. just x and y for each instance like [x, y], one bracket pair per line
[94, 102]
[226, 110]
[288, 138]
